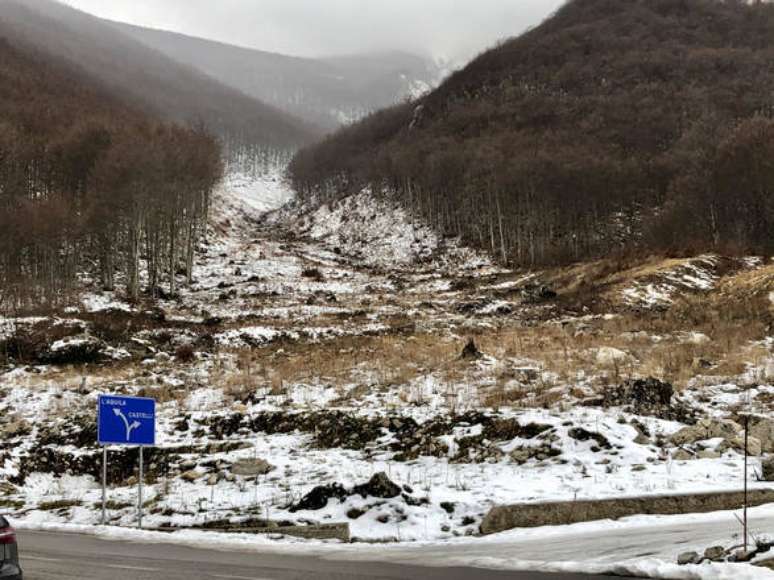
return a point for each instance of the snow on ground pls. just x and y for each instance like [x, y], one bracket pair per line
[377, 231]
[359, 268]
[658, 290]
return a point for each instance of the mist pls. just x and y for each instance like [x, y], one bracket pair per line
[452, 29]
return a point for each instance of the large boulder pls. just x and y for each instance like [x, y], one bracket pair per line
[609, 356]
[318, 498]
[251, 467]
[763, 430]
[738, 443]
[688, 558]
[81, 349]
[649, 397]
[707, 429]
[379, 486]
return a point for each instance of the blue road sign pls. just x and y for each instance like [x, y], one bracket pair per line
[126, 421]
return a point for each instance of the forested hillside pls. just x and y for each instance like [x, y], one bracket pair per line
[89, 185]
[149, 79]
[323, 91]
[642, 124]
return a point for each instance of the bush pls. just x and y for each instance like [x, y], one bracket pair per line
[185, 353]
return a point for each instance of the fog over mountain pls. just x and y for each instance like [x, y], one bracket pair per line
[145, 78]
[326, 92]
[452, 29]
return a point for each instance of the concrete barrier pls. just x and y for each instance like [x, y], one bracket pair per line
[502, 518]
[319, 532]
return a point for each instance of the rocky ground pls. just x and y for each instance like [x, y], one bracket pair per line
[346, 365]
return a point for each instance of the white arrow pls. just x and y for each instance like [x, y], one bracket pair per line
[129, 428]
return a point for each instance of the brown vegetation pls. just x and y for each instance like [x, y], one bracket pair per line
[617, 125]
[84, 179]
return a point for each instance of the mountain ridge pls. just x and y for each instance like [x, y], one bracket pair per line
[146, 78]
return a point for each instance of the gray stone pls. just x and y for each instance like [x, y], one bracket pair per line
[715, 553]
[706, 429]
[190, 476]
[642, 439]
[251, 467]
[708, 454]
[687, 558]
[737, 443]
[768, 469]
[683, 455]
[763, 430]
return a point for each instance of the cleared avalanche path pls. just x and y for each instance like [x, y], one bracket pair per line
[56, 556]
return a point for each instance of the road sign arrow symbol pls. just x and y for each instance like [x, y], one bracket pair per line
[129, 428]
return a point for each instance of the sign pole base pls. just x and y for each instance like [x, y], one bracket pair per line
[139, 493]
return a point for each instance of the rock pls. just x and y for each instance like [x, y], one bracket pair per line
[190, 476]
[683, 455]
[212, 479]
[379, 486]
[715, 553]
[15, 429]
[188, 465]
[708, 454]
[608, 356]
[81, 349]
[706, 429]
[763, 430]
[649, 397]
[767, 469]
[318, 498]
[7, 488]
[581, 434]
[642, 439]
[520, 455]
[536, 294]
[700, 364]
[688, 558]
[251, 467]
[448, 507]
[471, 352]
[737, 443]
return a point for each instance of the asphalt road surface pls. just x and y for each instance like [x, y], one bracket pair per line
[55, 556]
[49, 556]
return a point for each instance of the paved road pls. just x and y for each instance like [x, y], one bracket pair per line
[48, 556]
[606, 545]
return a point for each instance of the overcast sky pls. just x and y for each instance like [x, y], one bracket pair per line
[455, 29]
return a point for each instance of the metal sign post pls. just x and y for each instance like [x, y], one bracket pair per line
[129, 422]
[139, 494]
[104, 485]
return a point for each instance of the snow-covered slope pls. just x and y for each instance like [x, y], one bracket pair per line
[318, 348]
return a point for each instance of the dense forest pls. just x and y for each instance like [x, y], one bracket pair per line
[616, 125]
[89, 184]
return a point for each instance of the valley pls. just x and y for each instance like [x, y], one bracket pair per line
[311, 356]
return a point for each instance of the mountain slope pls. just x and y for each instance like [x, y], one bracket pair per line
[84, 178]
[325, 91]
[614, 124]
[146, 78]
